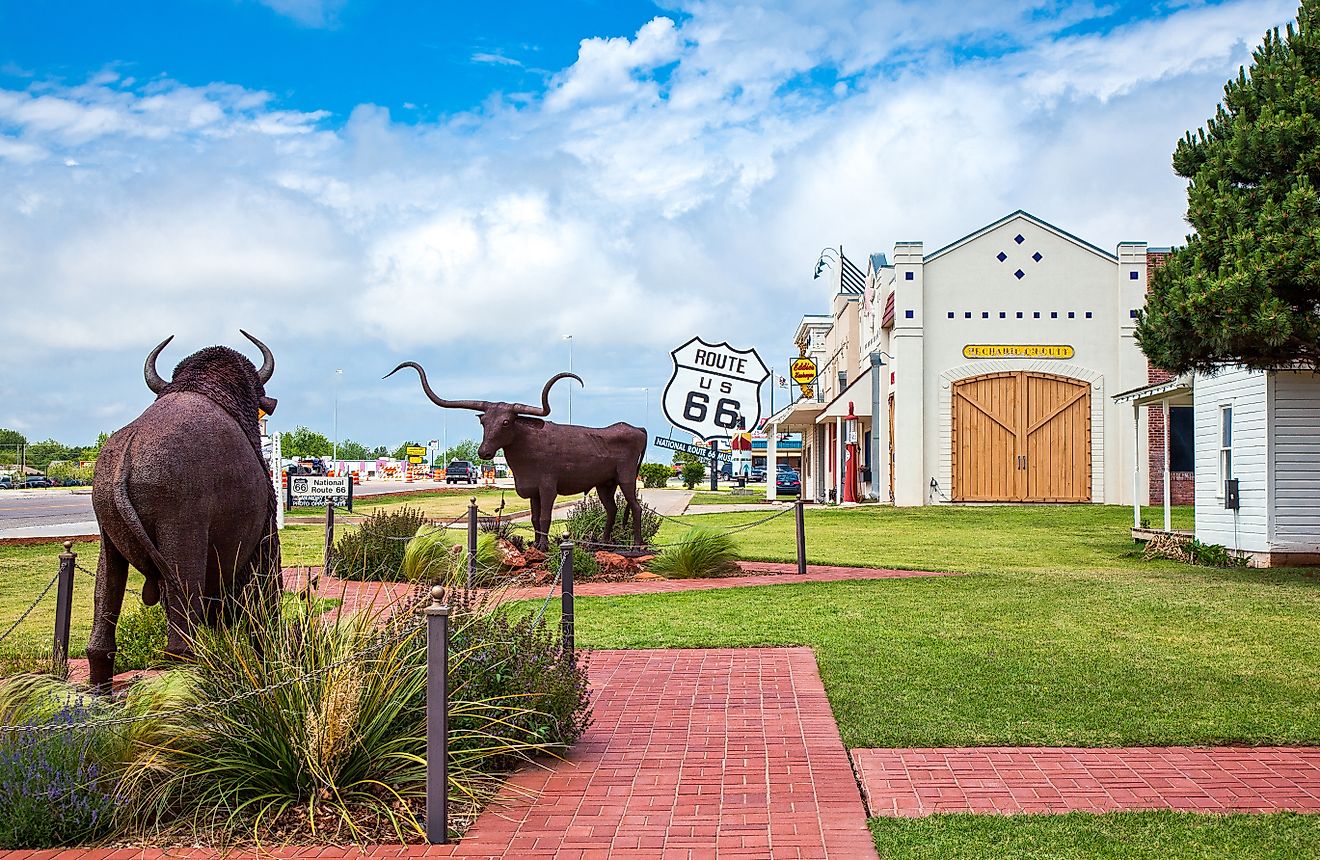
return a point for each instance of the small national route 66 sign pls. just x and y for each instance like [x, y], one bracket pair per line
[715, 390]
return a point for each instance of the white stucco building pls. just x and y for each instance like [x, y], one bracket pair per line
[1000, 355]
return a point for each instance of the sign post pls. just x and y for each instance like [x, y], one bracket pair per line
[277, 478]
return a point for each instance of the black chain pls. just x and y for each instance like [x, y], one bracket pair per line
[28, 611]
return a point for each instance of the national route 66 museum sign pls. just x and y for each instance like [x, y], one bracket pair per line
[715, 390]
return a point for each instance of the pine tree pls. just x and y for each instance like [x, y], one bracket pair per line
[1246, 287]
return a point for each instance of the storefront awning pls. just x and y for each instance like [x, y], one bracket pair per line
[858, 393]
[1177, 391]
[799, 416]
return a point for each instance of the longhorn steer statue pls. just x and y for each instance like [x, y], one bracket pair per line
[182, 494]
[550, 460]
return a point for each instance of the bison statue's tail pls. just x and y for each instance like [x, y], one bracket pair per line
[150, 590]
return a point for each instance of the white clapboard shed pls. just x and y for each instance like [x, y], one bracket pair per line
[1257, 443]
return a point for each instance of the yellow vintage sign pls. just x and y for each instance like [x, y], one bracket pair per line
[803, 370]
[1017, 350]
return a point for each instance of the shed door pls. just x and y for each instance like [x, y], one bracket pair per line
[1020, 436]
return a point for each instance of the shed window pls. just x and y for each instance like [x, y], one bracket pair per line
[1225, 447]
[1182, 451]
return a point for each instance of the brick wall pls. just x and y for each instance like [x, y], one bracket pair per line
[1182, 488]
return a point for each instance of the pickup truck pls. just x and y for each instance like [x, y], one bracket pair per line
[460, 471]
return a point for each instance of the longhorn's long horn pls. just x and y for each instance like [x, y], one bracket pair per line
[478, 405]
[544, 409]
[154, 382]
[267, 360]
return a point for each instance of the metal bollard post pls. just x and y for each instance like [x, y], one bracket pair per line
[472, 543]
[437, 719]
[800, 522]
[64, 603]
[329, 537]
[566, 595]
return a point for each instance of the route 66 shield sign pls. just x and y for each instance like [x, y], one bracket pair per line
[715, 390]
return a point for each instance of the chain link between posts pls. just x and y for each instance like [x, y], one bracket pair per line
[28, 611]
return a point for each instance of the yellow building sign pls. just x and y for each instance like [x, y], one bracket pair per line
[1017, 350]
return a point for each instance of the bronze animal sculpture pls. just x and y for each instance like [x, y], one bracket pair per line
[550, 460]
[183, 495]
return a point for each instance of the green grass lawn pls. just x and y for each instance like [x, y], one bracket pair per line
[1112, 836]
[446, 504]
[1063, 635]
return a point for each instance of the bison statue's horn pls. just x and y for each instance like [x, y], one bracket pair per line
[544, 409]
[478, 405]
[267, 368]
[154, 382]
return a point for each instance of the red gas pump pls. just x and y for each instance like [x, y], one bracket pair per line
[850, 456]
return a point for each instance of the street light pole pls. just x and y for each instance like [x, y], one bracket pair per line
[334, 455]
[569, 338]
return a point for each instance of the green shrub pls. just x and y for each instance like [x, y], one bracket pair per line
[585, 522]
[375, 550]
[140, 639]
[584, 561]
[655, 475]
[521, 658]
[693, 474]
[701, 553]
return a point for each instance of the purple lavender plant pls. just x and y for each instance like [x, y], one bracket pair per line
[52, 789]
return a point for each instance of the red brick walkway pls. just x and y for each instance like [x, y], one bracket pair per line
[915, 782]
[693, 753]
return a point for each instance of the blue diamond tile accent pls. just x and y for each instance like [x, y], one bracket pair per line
[1019, 315]
[907, 276]
[1001, 256]
[1132, 276]
[1002, 315]
[1019, 274]
[1132, 313]
[1037, 257]
[985, 315]
[950, 314]
[1088, 315]
[1054, 315]
[967, 315]
[908, 315]
[1035, 315]
[1071, 315]
[1019, 239]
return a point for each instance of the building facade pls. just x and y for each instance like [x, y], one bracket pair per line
[980, 372]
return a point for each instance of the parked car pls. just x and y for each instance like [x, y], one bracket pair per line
[461, 472]
[34, 481]
[787, 483]
[756, 476]
[6, 482]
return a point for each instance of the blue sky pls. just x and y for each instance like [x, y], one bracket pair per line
[359, 182]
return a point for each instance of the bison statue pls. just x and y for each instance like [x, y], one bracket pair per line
[182, 494]
[550, 460]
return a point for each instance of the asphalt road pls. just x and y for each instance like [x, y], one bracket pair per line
[36, 513]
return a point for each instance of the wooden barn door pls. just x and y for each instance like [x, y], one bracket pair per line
[1021, 436]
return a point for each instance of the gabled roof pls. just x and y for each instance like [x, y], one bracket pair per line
[1022, 213]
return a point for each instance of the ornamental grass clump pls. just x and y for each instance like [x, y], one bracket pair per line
[375, 549]
[309, 729]
[701, 553]
[439, 556]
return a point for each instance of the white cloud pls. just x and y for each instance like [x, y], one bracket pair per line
[309, 13]
[678, 181]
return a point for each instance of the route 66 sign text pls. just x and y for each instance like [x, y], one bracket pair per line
[715, 389]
